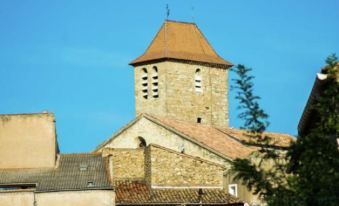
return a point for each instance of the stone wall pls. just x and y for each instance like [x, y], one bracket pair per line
[156, 134]
[177, 96]
[27, 141]
[150, 105]
[167, 168]
[126, 163]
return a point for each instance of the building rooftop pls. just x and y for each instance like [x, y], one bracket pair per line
[233, 143]
[229, 143]
[181, 41]
[73, 172]
[129, 192]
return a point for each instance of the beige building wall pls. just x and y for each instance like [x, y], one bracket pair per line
[242, 192]
[69, 198]
[177, 96]
[78, 198]
[169, 169]
[16, 198]
[27, 141]
[153, 133]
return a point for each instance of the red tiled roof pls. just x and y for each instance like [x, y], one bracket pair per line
[278, 139]
[209, 136]
[229, 142]
[137, 192]
[181, 41]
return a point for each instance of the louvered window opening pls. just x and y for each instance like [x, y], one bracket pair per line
[155, 83]
[197, 81]
[144, 83]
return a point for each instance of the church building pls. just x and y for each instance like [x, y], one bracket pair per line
[180, 141]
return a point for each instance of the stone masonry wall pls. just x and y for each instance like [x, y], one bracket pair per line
[150, 105]
[155, 134]
[168, 168]
[177, 96]
[127, 163]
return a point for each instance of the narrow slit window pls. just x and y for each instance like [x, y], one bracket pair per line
[155, 82]
[144, 83]
[198, 81]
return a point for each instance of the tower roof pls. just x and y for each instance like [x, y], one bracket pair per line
[181, 41]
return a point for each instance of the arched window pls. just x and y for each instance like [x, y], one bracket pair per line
[144, 83]
[142, 142]
[198, 81]
[155, 82]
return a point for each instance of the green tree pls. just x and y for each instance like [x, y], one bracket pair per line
[306, 173]
[314, 157]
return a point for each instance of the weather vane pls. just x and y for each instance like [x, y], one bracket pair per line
[167, 11]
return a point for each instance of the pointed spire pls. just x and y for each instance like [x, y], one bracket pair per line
[183, 42]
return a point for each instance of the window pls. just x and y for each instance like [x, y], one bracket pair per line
[233, 189]
[199, 120]
[142, 142]
[198, 81]
[155, 82]
[144, 83]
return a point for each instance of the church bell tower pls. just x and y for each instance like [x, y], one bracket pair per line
[181, 77]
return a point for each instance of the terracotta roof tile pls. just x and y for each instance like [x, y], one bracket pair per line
[229, 142]
[181, 41]
[137, 192]
[278, 139]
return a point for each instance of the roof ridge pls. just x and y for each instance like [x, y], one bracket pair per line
[180, 22]
[186, 155]
[78, 154]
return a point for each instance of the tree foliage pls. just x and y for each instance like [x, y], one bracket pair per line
[306, 173]
[314, 157]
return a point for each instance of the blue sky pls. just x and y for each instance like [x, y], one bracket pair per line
[71, 57]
